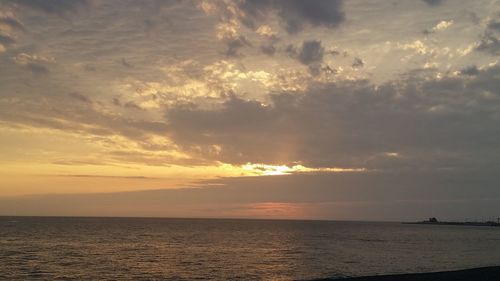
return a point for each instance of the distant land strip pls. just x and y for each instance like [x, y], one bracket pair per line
[457, 223]
[491, 273]
[434, 221]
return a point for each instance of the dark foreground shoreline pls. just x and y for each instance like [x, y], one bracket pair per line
[491, 273]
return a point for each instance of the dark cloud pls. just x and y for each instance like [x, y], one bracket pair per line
[12, 23]
[35, 64]
[369, 196]
[447, 123]
[494, 25]
[433, 2]
[470, 70]
[126, 64]
[357, 63]
[475, 19]
[132, 105]
[37, 68]
[54, 7]
[311, 52]
[268, 49]
[80, 97]
[6, 40]
[335, 53]
[234, 46]
[293, 13]
[326, 13]
[489, 43]
[291, 50]
[117, 102]
[326, 70]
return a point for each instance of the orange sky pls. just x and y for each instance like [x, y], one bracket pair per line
[125, 96]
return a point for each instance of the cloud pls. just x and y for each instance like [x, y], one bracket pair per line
[296, 106]
[311, 52]
[12, 23]
[6, 40]
[413, 123]
[489, 43]
[294, 14]
[268, 49]
[369, 196]
[10, 28]
[228, 32]
[267, 32]
[75, 113]
[494, 25]
[234, 46]
[33, 63]
[326, 13]
[104, 176]
[132, 105]
[357, 63]
[126, 64]
[442, 25]
[80, 97]
[433, 2]
[52, 7]
[36, 68]
[470, 70]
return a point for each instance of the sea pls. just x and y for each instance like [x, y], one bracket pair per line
[78, 248]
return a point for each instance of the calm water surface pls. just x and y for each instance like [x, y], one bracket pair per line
[190, 249]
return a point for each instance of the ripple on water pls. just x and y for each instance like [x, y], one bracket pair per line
[176, 249]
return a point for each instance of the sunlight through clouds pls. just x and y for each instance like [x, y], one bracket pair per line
[108, 96]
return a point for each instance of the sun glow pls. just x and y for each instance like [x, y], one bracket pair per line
[273, 170]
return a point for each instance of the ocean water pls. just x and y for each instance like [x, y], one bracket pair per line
[42, 248]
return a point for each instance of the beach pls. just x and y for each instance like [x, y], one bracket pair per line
[475, 274]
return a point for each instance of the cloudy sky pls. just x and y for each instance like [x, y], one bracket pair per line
[266, 108]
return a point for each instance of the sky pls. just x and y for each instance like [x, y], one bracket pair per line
[349, 110]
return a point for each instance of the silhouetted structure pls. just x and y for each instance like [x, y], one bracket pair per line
[434, 221]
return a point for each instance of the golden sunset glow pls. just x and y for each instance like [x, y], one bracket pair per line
[272, 170]
[241, 103]
[249, 139]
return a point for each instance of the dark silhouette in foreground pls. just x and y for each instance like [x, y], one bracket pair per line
[476, 274]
